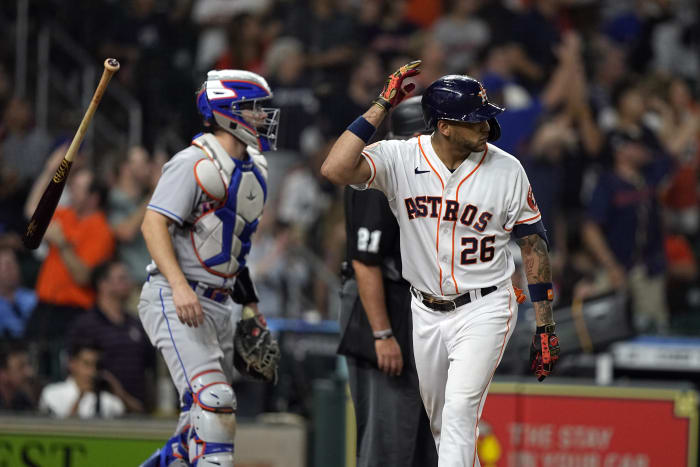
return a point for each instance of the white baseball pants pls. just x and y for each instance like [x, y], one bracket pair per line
[456, 354]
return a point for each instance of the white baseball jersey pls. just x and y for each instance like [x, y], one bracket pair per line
[455, 226]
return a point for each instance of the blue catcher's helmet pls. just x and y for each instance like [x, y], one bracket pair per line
[226, 98]
[459, 98]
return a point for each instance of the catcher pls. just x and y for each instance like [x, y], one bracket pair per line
[198, 230]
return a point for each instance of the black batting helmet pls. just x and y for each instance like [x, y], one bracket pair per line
[459, 98]
[407, 118]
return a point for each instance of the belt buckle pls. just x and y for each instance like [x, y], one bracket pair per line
[441, 302]
[220, 294]
[454, 305]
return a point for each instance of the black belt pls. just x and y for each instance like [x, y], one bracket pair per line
[438, 304]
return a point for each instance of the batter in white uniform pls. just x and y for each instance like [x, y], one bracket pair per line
[198, 229]
[458, 200]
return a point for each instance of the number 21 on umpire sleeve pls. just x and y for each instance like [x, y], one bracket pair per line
[367, 241]
[484, 248]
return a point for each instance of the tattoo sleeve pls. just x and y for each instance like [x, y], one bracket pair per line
[537, 269]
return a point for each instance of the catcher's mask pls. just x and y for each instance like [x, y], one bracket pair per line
[232, 99]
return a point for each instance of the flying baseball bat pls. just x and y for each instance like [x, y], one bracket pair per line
[36, 228]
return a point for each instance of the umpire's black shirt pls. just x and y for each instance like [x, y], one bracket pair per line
[372, 232]
[373, 239]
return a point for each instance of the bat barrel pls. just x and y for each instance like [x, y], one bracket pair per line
[36, 228]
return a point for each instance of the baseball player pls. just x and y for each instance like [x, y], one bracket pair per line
[458, 199]
[392, 427]
[198, 228]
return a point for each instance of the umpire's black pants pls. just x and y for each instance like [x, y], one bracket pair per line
[393, 429]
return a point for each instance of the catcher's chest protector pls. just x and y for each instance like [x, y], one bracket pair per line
[236, 192]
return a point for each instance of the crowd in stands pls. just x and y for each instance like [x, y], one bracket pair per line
[602, 110]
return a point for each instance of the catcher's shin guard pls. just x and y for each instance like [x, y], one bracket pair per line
[172, 454]
[213, 421]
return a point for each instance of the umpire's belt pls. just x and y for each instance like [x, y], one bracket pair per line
[440, 304]
[218, 294]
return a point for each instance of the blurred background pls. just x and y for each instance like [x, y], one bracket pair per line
[602, 110]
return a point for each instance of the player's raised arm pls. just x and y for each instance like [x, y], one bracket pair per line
[344, 164]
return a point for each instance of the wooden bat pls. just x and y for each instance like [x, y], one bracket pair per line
[36, 228]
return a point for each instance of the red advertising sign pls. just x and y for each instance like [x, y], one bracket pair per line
[524, 425]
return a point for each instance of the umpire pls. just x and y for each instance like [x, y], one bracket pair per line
[375, 320]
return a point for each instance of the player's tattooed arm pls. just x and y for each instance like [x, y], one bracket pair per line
[537, 270]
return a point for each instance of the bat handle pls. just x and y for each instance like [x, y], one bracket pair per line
[111, 66]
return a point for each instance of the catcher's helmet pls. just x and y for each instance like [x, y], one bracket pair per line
[459, 98]
[227, 94]
[407, 118]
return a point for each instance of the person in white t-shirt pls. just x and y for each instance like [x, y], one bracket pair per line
[77, 395]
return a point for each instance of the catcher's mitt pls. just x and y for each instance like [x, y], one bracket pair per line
[256, 353]
[544, 351]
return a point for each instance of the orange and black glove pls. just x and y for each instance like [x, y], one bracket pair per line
[544, 351]
[394, 91]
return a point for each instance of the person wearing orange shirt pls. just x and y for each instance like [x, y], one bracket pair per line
[79, 239]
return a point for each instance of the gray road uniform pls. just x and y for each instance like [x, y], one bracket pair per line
[215, 203]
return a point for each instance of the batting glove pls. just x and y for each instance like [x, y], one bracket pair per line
[544, 351]
[394, 91]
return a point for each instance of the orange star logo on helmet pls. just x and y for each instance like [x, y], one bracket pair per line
[482, 94]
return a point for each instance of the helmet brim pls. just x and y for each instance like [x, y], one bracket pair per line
[484, 112]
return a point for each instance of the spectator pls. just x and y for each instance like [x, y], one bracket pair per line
[537, 34]
[272, 268]
[17, 391]
[126, 207]
[675, 42]
[16, 303]
[434, 58]
[682, 284]
[137, 34]
[365, 81]
[328, 35]
[462, 34]
[680, 130]
[562, 150]
[553, 142]
[24, 146]
[293, 94]
[77, 396]
[623, 231]
[385, 27]
[245, 46]
[211, 17]
[523, 108]
[304, 197]
[630, 102]
[609, 68]
[79, 238]
[23, 149]
[126, 354]
[500, 16]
